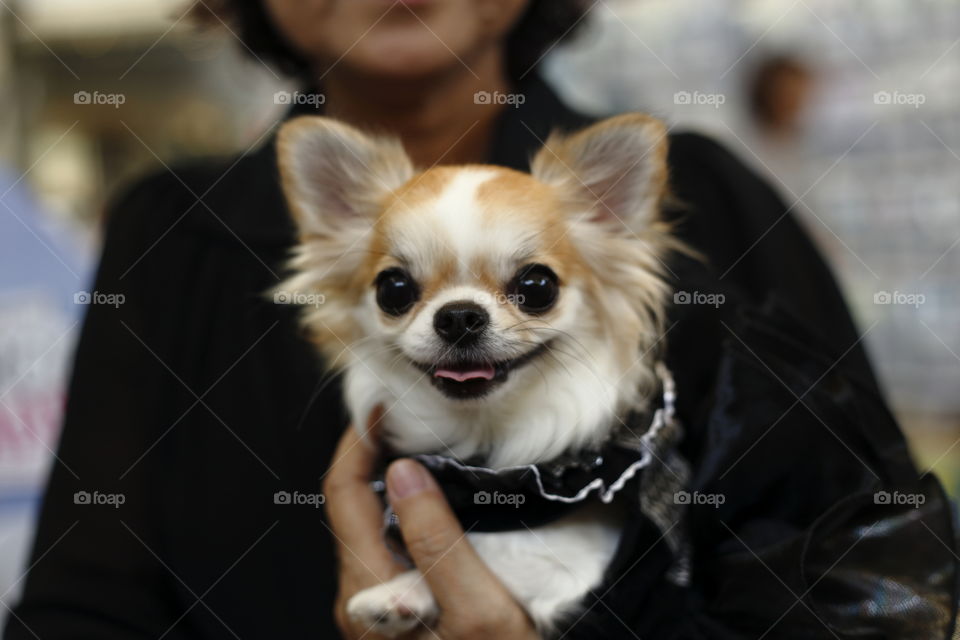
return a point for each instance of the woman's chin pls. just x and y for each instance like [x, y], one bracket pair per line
[403, 59]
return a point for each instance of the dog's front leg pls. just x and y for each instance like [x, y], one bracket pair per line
[548, 570]
[396, 606]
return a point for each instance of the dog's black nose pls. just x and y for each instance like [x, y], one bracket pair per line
[460, 322]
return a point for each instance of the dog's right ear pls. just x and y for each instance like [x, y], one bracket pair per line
[618, 167]
[336, 177]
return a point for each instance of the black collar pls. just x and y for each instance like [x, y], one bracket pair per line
[532, 495]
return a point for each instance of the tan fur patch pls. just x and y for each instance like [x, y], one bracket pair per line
[506, 197]
[513, 194]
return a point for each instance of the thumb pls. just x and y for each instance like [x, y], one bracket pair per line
[434, 538]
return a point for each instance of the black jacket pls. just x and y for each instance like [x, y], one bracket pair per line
[198, 399]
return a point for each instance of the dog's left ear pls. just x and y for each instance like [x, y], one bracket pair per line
[617, 167]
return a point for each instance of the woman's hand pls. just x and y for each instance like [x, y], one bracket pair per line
[473, 603]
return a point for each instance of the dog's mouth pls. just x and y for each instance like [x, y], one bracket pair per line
[467, 379]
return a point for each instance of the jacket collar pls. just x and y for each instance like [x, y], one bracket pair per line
[521, 129]
[249, 204]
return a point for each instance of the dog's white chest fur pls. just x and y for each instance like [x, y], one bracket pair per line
[548, 570]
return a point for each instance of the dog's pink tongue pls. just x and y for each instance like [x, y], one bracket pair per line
[484, 372]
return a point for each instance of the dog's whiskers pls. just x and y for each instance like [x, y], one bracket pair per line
[552, 350]
[565, 334]
[573, 340]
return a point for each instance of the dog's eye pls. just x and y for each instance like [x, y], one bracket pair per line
[535, 288]
[396, 291]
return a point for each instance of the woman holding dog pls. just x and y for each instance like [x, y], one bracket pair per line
[198, 402]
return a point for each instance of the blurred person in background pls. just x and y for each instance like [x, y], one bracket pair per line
[197, 400]
[780, 91]
[779, 95]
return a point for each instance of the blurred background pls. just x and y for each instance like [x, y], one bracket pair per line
[850, 108]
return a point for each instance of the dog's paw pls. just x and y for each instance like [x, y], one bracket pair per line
[394, 607]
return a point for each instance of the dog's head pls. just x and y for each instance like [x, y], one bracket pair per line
[480, 283]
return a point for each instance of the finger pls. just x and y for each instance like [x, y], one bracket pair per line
[434, 538]
[354, 511]
[358, 450]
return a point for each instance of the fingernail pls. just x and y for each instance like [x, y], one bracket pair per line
[406, 478]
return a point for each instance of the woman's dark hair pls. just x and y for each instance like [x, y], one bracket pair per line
[543, 25]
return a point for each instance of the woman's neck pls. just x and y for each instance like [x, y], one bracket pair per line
[437, 118]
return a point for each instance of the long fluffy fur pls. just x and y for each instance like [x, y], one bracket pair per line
[609, 181]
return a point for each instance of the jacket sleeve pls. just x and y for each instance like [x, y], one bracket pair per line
[753, 245]
[825, 529]
[814, 522]
[817, 523]
[93, 572]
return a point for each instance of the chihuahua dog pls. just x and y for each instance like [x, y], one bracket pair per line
[496, 314]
